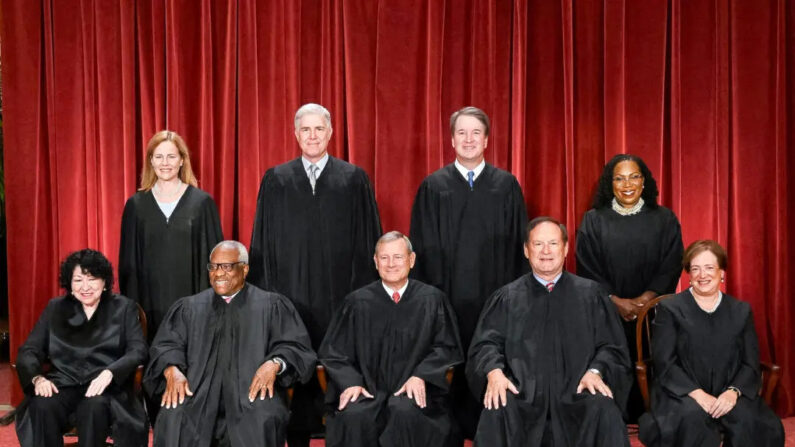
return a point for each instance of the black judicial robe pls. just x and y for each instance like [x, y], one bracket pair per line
[629, 255]
[161, 261]
[78, 349]
[314, 249]
[693, 349]
[219, 347]
[378, 344]
[545, 342]
[468, 241]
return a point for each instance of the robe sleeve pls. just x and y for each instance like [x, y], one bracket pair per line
[611, 355]
[671, 249]
[168, 348]
[259, 262]
[337, 353]
[426, 237]
[518, 226]
[589, 253]
[668, 371]
[210, 235]
[128, 252]
[445, 351]
[487, 350]
[748, 376]
[289, 341]
[134, 346]
[35, 351]
[367, 230]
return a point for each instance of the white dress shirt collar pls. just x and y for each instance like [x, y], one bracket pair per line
[463, 170]
[320, 164]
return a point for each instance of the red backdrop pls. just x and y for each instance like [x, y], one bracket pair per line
[703, 90]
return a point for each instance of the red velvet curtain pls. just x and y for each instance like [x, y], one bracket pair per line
[703, 90]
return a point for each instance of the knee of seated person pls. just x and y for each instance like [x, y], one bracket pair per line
[402, 406]
[274, 412]
[39, 404]
[96, 403]
[356, 411]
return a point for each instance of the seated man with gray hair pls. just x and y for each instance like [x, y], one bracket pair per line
[386, 353]
[223, 359]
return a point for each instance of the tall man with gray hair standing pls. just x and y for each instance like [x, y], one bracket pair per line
[314, 234]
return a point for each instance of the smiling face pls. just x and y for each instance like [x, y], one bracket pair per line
[469, 140]
[627, 183]
[166, 161]
[546, 250]
[86, 288]
[705, 274]
[313, 134]
[227, 283]
[393, 262]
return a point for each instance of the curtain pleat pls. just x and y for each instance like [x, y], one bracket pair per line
[701, 89]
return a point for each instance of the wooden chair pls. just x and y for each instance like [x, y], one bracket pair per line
[644, 366]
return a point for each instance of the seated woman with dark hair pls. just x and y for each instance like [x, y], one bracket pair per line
[706, 356]
[93, 341]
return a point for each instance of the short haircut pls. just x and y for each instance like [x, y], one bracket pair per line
[91, 262]
[242, 253]
[700, 246]
[312, 109]
[148, 176]
[470, 111]
[393, 236]
[541, 219]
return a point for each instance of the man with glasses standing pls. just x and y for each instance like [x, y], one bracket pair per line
[313, 240]
[223, 359]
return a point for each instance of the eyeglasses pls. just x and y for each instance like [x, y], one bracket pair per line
[227, 267]
[634, 178]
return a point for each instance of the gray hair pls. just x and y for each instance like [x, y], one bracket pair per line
[242, 253]
[312, 109]
[393, 236]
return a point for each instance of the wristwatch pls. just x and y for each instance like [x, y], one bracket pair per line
[279, 362]
[595, 371]
[736, 390]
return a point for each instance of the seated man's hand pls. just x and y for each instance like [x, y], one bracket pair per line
[263, 380]
[43, 387]
[495, 390]
[98, 385]
[176, 388]
[351, 394]
[593, 383]
[414, 389]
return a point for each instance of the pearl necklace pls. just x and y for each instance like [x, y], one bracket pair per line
[168, 197]
[635, 209]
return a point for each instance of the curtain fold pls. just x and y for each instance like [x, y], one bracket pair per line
[701, 89]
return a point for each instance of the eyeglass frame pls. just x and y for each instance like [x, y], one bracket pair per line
[225, 266]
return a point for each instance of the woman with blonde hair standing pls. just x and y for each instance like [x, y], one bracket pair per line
[168, 229]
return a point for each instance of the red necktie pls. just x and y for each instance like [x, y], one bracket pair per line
[396, 297]
[550, 286]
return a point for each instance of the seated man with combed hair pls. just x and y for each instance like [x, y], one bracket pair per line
[549, 356]
[223, 359]
[387, 352]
